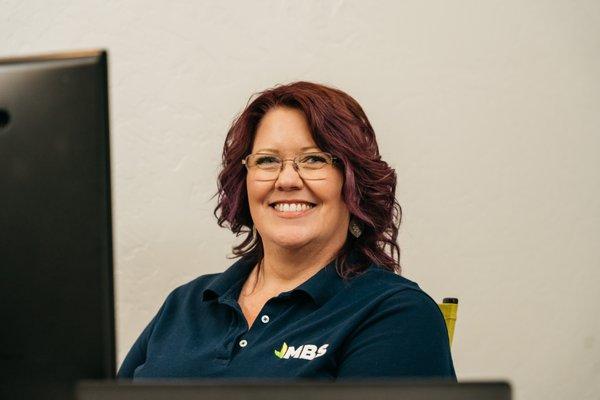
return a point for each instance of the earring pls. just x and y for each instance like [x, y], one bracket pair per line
[253, 230]
[354, 228]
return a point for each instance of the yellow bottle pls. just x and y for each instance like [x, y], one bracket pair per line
[449, 308]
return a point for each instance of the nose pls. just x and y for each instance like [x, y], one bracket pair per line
[289, 178]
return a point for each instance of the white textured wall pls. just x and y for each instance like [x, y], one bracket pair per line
[489, 110]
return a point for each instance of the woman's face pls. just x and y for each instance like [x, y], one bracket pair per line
[322, 220]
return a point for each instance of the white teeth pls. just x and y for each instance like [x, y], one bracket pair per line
[293, 207]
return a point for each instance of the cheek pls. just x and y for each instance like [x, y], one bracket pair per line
[332, 193]
[340, 210]
[253, 191]
[256, 194]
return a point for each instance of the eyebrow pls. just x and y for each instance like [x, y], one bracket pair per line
[275, 151]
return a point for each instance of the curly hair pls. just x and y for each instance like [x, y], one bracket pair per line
[339, 126]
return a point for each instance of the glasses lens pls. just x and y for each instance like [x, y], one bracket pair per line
[265, 161]
[312, 165]
[264, 166]
[313, 161]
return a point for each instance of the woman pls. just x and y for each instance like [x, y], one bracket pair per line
[314, 294]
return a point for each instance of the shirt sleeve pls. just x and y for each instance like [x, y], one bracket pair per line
[137, 354]
[405, 337]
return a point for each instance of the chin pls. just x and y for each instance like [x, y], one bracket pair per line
[292, 245]
[291, 240]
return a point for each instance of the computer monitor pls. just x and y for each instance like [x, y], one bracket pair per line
[56, 277]
[294, 390]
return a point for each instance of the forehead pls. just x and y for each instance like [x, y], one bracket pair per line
[283, 130]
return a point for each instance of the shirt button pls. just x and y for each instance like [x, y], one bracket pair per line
[264, 318]
[243, 343]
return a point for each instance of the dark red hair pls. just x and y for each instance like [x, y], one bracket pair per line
[338, 126]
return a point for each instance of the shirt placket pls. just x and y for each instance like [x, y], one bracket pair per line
[226, 350]
[248, 338]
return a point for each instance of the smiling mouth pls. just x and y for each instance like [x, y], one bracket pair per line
[292, 207]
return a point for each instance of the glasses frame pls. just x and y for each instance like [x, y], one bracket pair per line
[295, 161]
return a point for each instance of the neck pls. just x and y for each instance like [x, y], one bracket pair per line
[284, 269]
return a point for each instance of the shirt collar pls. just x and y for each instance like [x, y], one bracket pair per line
[321, 287]
[229, 282]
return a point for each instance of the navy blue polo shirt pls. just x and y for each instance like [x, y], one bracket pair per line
[377, 324]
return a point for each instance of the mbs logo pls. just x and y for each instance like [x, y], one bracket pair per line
[305, 352]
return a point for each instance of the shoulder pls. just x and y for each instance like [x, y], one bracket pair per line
[391, 289]
[198, 284]
[394, 301]
[402, 334]
[380, 276]
[190, 291]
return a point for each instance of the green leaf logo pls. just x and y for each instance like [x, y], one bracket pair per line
[281, 353]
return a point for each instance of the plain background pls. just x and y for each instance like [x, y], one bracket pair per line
[488, 110]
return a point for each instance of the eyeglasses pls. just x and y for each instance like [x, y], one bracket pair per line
[311, 166]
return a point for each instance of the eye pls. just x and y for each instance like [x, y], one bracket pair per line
[313, 159]
[266, 160]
